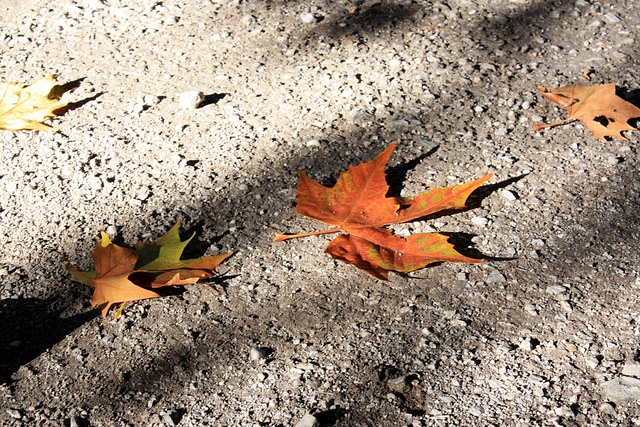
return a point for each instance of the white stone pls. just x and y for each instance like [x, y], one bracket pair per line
[631, 368]
[307, 421]
[308, 18]
[479, 221]
[191, 100]
[621, 390]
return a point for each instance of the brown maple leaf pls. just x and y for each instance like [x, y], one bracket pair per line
[26, 108]
[358, 207]
[124, 274]
[114, 265]
[598, 107]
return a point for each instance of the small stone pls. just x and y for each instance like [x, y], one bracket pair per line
[479, 221]
[476, 411]
[95, 183]
[172, 417]
[556, 289]
[537, 243]
[76, 421]
[394, 62]
[500, 19]
[607, 408]
[248, 20]
[397, 384]
[613, 160]
[257, 353]
[571, 348]
[308, 18]
[508, 195]
[612, 18]
[525, 344]
[151, 99]
[621, 390]
[631, 368]
[592, 362]
[501, 131]
[313, 143]
[495, 277]
[191, 100]
[307, 421]
[531, 309]
[112, 231]
[428, 143]
[14, 413]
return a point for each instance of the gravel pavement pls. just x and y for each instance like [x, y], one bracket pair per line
[203, 111]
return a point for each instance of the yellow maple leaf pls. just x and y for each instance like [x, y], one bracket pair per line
[26, 108]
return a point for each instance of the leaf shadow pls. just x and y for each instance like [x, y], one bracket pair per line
[30, 326]
[397, 174]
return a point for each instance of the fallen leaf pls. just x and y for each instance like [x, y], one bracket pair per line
[124, 274]
[598, 107]
[26, 108]
[357, 206]
[111, 281]
[164, 254]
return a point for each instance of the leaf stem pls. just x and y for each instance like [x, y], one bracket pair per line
[281, 237]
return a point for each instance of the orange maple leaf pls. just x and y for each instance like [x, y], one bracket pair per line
[27, 108]
[124, 274]
[114, 265]
[358, 207]
[598, 107]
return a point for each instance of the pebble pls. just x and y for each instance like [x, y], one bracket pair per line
[500, 19]
[308, 18]
[397, 384]
[151, 99]
[501, 131]
[556, 289]
[631, 368]
[607, 408]
[525, 344]
[313, 143]
[191, 100]
[14, 413]
[475, 410]
[612, 18]
[307, 421]
[531, 309]
[621, 390]
[508, 195]
[495, 277]
[613, 160]
[479, 221]
[172, 417]
[257, 353]
[592, 362]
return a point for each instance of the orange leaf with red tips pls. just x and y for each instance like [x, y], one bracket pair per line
[358, 206]
[598, 107]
